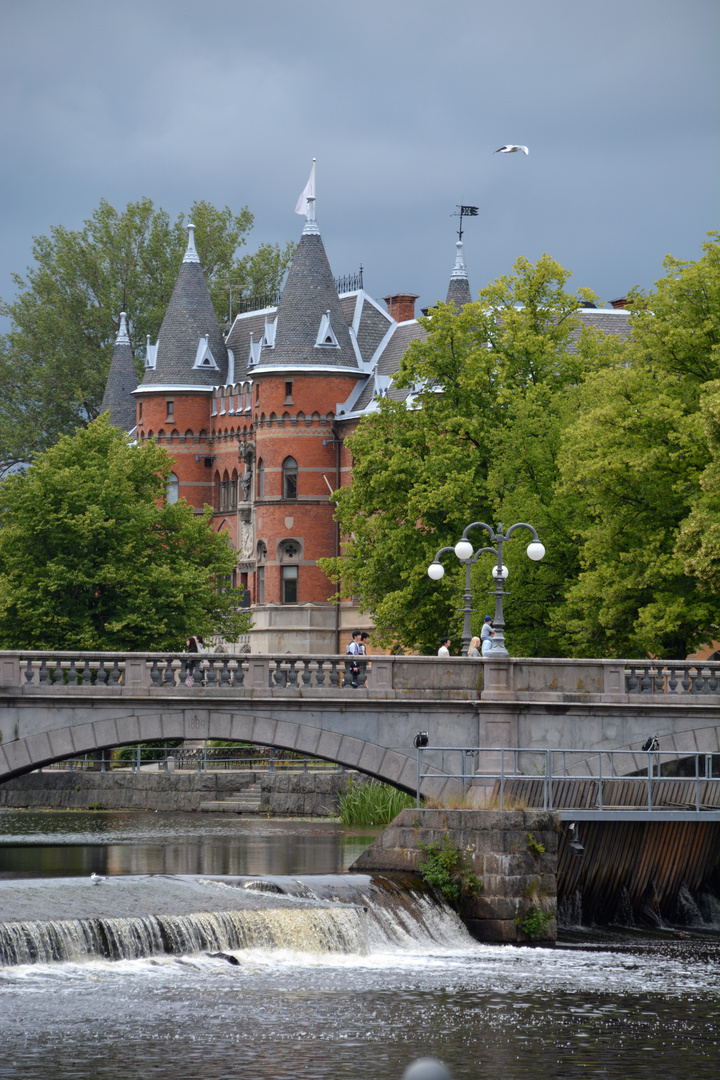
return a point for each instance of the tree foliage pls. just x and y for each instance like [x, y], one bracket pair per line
[608, 446]
[422, 473]
[66, 313]
[93, 557]
[633, 462]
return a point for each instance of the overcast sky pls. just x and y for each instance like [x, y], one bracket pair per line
[402, 102]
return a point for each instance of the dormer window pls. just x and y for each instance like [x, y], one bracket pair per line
[204, 357]
[268, 338]
[326, 335]
[150, 354]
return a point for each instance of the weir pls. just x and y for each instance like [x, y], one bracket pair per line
[186, 915]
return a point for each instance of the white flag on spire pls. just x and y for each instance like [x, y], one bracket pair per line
[303, 203]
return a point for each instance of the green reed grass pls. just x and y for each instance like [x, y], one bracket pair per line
[372, 803]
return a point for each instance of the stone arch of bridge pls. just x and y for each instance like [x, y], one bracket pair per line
[389, 764]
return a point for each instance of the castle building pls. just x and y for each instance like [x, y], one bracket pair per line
[257, 421]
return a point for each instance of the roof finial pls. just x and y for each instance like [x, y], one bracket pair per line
[122, 334]
[191, 255]
[459, 269]
[306, 204]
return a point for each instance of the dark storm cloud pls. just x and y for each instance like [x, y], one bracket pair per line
[402, 102]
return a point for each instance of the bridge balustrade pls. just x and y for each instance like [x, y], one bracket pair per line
[519, 679]
[61, 672]
[676, 677]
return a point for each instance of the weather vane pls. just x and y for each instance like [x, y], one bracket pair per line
[464, 211]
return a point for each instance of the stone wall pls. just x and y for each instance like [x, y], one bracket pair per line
[120, 790]
[306, 794]
[501, 847]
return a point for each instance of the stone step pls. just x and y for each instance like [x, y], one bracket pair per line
[246, 801]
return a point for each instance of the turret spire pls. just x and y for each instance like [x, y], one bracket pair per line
[191, 255]
[121, 381]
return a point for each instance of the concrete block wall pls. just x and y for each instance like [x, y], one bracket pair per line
[304, 794]
[497, 847]
[120, 790]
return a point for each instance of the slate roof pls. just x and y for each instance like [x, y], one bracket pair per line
[121, 382]
[189, 317]
[238, 340]
[615, 321]
[372, 328]
[389, 362]
[309, 293]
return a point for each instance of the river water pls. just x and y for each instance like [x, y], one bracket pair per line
[340, 976]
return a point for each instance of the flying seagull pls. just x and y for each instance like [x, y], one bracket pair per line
[511, 149]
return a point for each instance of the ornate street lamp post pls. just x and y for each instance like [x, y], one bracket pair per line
[464, 551]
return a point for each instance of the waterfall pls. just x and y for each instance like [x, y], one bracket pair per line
[323, 930]
[333, 914]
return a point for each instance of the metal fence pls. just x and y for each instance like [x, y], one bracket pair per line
[563, 778]
[198, 759]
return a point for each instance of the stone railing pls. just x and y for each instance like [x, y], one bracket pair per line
[531, 680]
[597, 681]
[102, 673]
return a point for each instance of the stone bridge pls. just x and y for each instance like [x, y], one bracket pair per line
[59, 705]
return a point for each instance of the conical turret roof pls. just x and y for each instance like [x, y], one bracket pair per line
[459, 288]
[190, 348]
[121, 382]
[311, 330]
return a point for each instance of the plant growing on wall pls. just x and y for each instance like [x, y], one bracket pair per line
[534, 922]
[444, 867]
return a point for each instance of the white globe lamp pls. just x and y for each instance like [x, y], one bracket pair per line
[463, 550]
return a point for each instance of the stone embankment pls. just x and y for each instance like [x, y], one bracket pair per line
[514, 852]
[232, 791]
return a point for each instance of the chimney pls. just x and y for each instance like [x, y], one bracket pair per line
[401, 306]
[620, 304]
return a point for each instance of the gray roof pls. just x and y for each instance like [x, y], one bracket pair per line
[308, 295]
[616, 321]
[389, 362]
[190, 316]
[239, 338]
[458, 291]
[121, 382]
[372, 328]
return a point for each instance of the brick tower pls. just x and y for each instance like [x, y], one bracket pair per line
[175, 398]
[303, 365]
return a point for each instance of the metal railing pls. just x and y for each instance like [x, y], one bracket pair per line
[206, 758]
[563, 778]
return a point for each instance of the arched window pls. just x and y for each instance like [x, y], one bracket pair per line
[216, 491]
[233, 489]
[290, 478]
[225, 491]
[173, 488]
[261, 479]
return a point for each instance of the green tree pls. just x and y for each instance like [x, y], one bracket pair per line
[699, 540]
[424, 468]
[631, 464]
[93, 557]
[64, 318]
